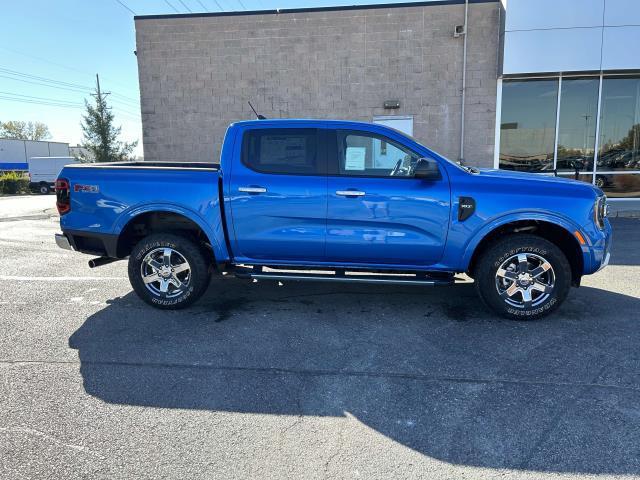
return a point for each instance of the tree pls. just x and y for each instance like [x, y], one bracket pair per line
[632, 140]
[100, 134]
[24, 130]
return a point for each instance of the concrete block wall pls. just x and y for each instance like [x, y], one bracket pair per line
[197, 74]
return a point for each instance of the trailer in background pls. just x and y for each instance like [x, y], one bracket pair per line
[15, 154]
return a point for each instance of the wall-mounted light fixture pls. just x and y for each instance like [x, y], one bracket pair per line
[459, 30]
[392, 104]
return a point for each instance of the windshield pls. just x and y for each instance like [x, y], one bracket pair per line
[462, 167]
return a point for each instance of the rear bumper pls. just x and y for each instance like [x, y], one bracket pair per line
[100, 244]
[63, 242]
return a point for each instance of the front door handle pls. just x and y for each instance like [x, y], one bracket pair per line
[252, 189]
[350, 193]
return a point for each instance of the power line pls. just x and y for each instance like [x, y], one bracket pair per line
[219, 6]
[43, 84]
[49, 82]
[17, 97]
[123, 4]
[31, 97]
[242, 4]
[202, 5]
[37, 102]
[72, 89]
[66, 67]
[44, 79]
[185, 6]
[174, 8]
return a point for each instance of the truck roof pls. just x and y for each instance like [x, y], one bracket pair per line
[296, 121]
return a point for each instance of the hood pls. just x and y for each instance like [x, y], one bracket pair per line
[538, 178]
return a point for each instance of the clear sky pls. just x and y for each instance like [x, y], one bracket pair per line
[51, 50]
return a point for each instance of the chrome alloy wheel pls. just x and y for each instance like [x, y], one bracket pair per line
[165, 272]
[525, 280]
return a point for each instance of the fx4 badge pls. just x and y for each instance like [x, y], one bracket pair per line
[85, 188]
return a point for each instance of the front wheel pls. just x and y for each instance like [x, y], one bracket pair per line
[523, 277]
[44, 189]
[168, 271]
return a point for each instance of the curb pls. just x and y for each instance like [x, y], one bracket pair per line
[624, 214]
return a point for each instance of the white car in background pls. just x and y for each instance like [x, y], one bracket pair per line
[43, 172]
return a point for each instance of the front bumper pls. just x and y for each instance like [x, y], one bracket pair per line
[63, 242]
[598, 254]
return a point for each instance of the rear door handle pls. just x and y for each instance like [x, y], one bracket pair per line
[350, 193]
[252, 189]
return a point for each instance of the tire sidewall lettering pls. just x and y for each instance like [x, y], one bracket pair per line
[150, 246]
[515, 251]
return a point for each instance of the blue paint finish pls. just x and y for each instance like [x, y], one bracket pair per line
[288, 221]
[14, 166]
[398, 221]
[401, 223]
[125, 193]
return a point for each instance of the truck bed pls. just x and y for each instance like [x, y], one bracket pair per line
[151, 165]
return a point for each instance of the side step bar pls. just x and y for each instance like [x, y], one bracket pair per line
[408, 279]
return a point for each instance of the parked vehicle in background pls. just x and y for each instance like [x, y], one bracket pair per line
[335, 201]
[43, 172]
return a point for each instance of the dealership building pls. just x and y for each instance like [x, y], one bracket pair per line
[548, 86]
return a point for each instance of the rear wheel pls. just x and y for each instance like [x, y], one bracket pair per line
[44, 188]
[168, 271]
[523, 277]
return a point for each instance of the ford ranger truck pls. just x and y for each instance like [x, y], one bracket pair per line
[335, 201]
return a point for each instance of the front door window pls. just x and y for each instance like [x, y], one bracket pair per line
[371, 155]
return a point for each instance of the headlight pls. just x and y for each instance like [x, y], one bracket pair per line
[600, 211]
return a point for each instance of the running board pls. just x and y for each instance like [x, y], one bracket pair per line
[396, 279]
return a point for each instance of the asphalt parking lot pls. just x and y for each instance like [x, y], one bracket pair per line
[307, 380]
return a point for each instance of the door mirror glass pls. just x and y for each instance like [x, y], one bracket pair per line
[426, 169]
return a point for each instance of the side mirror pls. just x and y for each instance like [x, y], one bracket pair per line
[426, 169]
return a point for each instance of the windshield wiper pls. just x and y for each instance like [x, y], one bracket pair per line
[468, 168]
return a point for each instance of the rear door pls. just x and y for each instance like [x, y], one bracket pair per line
[278, 195]
[378, 214]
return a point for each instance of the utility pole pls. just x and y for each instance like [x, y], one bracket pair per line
[101, 106]
[99, 97]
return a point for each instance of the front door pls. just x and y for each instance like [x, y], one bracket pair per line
[278, 196]
[378, 214]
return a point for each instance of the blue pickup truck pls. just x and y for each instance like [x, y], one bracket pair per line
[335, 201]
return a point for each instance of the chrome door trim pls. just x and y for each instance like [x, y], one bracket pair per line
[252, 189]
[350, 193]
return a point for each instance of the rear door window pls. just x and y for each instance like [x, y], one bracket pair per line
[292, 151]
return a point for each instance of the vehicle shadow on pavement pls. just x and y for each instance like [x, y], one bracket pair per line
[626, 241]
[428, 368]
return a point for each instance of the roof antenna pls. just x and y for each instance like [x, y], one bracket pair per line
[258, 116]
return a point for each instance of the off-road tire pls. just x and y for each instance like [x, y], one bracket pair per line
[192, 253]
[502, 250]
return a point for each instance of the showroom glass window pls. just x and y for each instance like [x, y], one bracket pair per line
[619, 137]
[577, 125]
[528, 124]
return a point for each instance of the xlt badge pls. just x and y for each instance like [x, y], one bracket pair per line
[466, 208]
